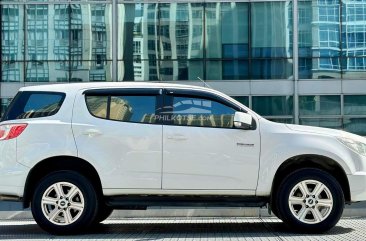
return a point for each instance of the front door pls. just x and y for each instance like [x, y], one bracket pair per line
[203, 151]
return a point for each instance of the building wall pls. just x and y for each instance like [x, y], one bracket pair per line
[310, 69]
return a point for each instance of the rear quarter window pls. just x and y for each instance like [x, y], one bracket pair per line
[29, 104]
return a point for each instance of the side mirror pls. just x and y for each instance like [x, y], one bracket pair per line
[243, 120]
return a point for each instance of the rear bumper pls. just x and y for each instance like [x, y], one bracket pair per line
[357, 183]
[12, 180]
[12, 174]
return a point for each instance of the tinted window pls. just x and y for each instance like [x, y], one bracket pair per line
[29, 104]
[189, 111]
[139, 109]
[133, 108]
[97, 105]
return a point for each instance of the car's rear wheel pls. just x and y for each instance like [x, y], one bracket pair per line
[64, 202]
[310, 200]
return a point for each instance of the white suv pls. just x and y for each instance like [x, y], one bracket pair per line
[75, 152]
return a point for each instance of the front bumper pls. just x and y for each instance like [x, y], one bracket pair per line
[357, 183]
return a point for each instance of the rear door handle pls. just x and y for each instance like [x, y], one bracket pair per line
[92, 132]
[177, 137]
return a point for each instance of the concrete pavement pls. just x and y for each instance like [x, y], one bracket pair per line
[188, 229]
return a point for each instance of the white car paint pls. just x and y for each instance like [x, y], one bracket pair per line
[210, 158]
[126, 155]
[141, 159]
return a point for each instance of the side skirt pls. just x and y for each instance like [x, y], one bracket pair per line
[142, 202]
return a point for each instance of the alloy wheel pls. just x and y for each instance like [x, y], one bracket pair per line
[62, 203]
[310, 201]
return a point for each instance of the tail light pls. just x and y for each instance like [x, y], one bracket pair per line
[11, 131]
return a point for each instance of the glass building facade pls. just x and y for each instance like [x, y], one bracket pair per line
[294, 61]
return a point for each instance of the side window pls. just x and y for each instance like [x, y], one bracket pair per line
[97, 105]
[188, 111]
[133, 109]
[140, 109]
[29, 104]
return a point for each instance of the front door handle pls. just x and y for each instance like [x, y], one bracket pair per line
[177, 137]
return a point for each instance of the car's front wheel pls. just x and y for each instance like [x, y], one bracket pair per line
[64, 202]
[310, 200]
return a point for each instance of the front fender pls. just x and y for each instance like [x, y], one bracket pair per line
[280, 144]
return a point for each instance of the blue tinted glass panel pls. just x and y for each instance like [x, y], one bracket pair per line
[355, 104]
[334, 123]
[271, 69]
[271, 29]
[355, 125]
[273, 105]
[320, 105]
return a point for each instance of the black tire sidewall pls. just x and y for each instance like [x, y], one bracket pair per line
[103, 213]
[90, 203]
[310, 174]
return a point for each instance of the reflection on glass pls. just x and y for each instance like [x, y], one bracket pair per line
[12, 33]
[319, 68]
[37, 32]
[355, 104]
[97, 105]
[227, 30]
[329, 30]
[355, 125]
[60, 71]
[56, 39]
[227, 70]
[180, 70]
[242, 99]
[140, 109]
[5, 102]
[273, 105]
[201, 112]
[181, 30]
[12, 71]
[271, 29]
[271, 69]
[164, 31]
[319, 24]
[143, 70]
[333, 123]
[320, 105]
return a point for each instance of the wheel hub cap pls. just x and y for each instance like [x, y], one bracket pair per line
[62, 203]
[310, 201]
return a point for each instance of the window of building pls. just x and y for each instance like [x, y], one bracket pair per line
[276, 108]
[4, 103]
[320, 110]
[242, 99]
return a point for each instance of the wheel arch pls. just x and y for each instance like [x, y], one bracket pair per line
[311, 161]
[58, 163]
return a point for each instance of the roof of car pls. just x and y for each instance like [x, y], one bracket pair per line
[92, 85]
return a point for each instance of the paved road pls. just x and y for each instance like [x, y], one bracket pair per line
[188, 229]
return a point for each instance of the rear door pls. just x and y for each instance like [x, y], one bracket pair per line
[117, 130]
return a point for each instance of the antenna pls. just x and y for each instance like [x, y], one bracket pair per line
[204, 83]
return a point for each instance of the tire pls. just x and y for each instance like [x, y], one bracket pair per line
[64, 203]
[103, 213]
[310, 200]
